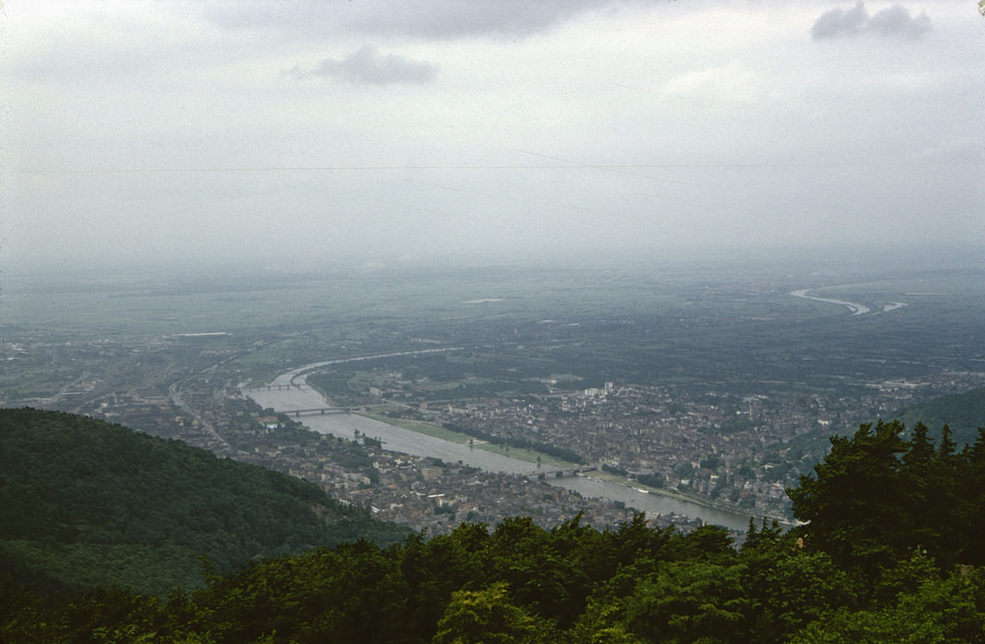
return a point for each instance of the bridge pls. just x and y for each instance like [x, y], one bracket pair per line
[318, 411]
[272, 387]
[562, 473]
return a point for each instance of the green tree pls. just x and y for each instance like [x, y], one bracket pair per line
[486, 617]
[877, 497]
[601, 623]
[855, 500]
[951, 611]
[970, 504]
[689, 601]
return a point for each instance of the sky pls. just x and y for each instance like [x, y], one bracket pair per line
[382, 131]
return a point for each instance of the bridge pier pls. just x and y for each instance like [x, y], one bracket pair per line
[321, 411]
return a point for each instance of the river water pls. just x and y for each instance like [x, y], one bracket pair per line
[856, 309]
[300, 396]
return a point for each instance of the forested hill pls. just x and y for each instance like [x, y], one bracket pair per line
[963, 413]
[891, 553]
[86, 503]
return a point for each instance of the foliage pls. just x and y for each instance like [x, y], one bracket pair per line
[562, 453]
[88, 504]
[878, 496]
[484, 616]
[517, 582]
[946, 611]
[961, 412]
[653, 480]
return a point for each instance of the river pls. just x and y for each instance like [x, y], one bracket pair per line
[290, 391]
[856, 309]
[853, 307]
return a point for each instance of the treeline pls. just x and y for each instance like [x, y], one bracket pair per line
[961, 412]
[562, 453]
[826, 582]
[653, 480]
[878, 495]
[445, 380]
[86, 503]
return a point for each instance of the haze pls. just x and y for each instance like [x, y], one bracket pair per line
[371, 131]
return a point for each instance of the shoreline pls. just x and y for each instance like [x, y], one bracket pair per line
[436, 444]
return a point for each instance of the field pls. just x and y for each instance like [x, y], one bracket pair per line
[734, 328]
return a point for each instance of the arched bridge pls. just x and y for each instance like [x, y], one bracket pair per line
[318, 411]
[562, 473]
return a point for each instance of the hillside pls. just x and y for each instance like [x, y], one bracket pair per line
[963, 413]
[85, 503]
[897, 558]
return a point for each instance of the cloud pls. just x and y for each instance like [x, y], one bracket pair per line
[441, 19]
[366, 66]
[840, 21]
[467, 18]
[730, 83]
[895, 21]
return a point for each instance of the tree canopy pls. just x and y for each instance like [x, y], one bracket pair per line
[878, 495]
[868, 566]
[86, 503]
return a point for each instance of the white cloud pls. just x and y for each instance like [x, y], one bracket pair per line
[731, 83]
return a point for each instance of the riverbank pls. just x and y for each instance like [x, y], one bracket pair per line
[853, 307]
[436, 431]
[290, 392]
[546, 461]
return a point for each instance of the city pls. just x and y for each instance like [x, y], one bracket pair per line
[548, 392]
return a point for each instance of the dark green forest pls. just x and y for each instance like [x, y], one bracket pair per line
[890, 551]
[961, 412]
[85, 503]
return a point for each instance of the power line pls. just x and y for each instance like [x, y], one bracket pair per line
[398, 168]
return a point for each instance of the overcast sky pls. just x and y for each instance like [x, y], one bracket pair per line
[508, 129]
